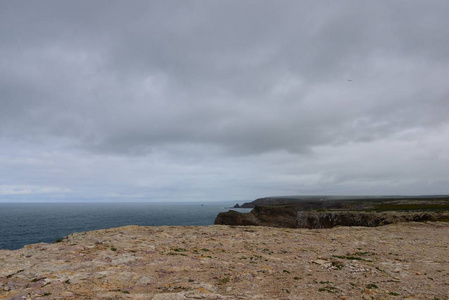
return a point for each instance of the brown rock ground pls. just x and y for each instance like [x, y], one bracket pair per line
[399, 261]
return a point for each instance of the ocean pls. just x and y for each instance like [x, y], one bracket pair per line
[29, 223]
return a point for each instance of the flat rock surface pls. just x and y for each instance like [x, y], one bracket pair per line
[399, 261]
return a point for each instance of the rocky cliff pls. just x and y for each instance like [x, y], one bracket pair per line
[274, 216]
[331, 219]
[306, 203]
[288, 216]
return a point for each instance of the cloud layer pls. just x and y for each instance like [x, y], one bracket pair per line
[197, 100]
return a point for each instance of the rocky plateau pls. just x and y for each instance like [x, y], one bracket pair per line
[397, 261]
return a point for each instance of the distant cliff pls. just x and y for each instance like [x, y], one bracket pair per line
[368, 219]
[371, 203]
[289, 216]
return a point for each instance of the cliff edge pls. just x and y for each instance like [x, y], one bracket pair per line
[398, 261]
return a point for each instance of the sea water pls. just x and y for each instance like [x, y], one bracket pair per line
[28, 223]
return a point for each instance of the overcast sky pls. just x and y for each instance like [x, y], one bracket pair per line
[222, 100]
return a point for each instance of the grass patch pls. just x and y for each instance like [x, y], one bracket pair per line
[411, 207]
[113, 249]
[393, 294]
[223, 280]
[372, 286]
[363, 253]
[179, 249]
[11, 275]
[176, 253]
[329, 289]
[267, 251]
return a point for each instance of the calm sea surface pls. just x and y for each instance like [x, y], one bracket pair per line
[28, 223]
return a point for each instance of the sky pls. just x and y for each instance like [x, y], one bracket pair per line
[222, 100]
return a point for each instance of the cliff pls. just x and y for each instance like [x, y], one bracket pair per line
[306, 203]
[289, 216]
[274, 216]
[331, 219]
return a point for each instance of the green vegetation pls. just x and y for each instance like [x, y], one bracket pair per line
[329, 289]
[372, 286]
[411, 206]
[223, 280]
[393, 294]
[176, 253]
[113, 249]
[363, 253]
[11, 275]
[267, 251]
[179, 249]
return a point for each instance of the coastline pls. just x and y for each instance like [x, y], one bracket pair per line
[231, 262]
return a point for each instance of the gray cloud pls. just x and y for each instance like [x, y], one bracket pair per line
[219, 82]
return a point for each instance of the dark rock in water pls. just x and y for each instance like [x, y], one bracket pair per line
[273, 216]
[236, 206]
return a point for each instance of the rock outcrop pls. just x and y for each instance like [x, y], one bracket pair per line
[273, 216]
[398, 261]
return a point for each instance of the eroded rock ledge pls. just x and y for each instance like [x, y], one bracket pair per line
[398, 261]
